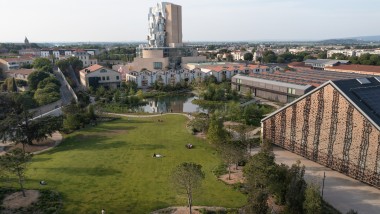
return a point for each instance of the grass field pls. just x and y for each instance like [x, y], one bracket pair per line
[110, 166]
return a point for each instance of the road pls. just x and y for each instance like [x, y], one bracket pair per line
[341, 191]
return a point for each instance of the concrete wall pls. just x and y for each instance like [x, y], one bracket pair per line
[193, 59]
[318, 128]
[153, 53]
[140, 63]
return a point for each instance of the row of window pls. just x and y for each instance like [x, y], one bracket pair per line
[103, 78]
[291, 91]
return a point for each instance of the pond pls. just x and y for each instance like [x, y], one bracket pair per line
[174, 104]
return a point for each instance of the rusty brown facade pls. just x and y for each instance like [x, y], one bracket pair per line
[326, 127]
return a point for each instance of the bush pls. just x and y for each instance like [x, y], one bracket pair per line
[220, 170]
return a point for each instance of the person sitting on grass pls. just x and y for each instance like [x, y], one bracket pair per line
[157, 155]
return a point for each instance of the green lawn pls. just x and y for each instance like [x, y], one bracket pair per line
[110, 166]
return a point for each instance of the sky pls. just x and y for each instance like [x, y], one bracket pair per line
[203, 20]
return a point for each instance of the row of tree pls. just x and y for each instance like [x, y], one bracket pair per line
[364, 59]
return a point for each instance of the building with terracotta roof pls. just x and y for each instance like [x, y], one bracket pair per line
[97, 75]
[15, 63]
[338, 66]
[336, 125]
[19, 73]
[286, 86]
[360, 69]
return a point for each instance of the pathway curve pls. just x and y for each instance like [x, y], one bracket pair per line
[56, 137]
[151, 115]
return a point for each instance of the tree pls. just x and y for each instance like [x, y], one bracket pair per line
[17, 125]
[15, 162]
[36, 77]
[231, 153]
[43, 64]
[322, 55]
[248, 56]
[295, 195]
[216, 134]
[313, 200]
[257, 202]
[188, 177]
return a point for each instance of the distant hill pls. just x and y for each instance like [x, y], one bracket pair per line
[367, 38]
[352, 40]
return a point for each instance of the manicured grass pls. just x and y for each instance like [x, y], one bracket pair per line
[110, 166]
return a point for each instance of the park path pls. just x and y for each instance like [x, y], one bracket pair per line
[56, 137]
[151, 115]
[342, 192]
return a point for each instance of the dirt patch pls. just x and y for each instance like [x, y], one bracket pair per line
[185, 210]
[236, 176]
[200, 135]
[37, 145]
[17, 200]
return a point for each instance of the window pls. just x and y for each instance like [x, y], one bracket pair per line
[108, 78]
[291, 91]
[103, 78]
[103, 71]
[157, 65]
[117, 77]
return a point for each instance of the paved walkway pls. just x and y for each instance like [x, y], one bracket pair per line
[56, 137]
[341, 191]
[151, 115]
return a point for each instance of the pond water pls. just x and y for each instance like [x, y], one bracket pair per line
[174, 104]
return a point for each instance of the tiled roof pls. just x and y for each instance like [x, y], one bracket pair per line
[92, 68]
[365, 68]
[232, 67]
[21, 71]
[21, 59]
[307, 77]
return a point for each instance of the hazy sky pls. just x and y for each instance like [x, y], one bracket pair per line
[203, 20]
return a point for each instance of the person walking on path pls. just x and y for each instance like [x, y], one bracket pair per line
[103, 211]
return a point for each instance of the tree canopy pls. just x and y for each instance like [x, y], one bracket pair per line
[43, 64]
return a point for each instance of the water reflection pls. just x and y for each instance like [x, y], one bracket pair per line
[174, 104]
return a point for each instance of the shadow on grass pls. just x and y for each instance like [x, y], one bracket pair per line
[40, 159]
[96, 171]
[127, 121]
[147, 147]
[88, 143]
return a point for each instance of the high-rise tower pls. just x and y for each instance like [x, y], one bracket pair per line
[165, 25]
[164, 49]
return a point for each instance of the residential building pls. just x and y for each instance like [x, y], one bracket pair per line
[97, 75]
[336, 125]
[85, 57]
[321, 64]
[30, 51]
[19, 73]
[15, 63]
[238, 55]
[146, 78]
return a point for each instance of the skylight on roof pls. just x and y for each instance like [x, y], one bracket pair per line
[363, 81]
[378, 79]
